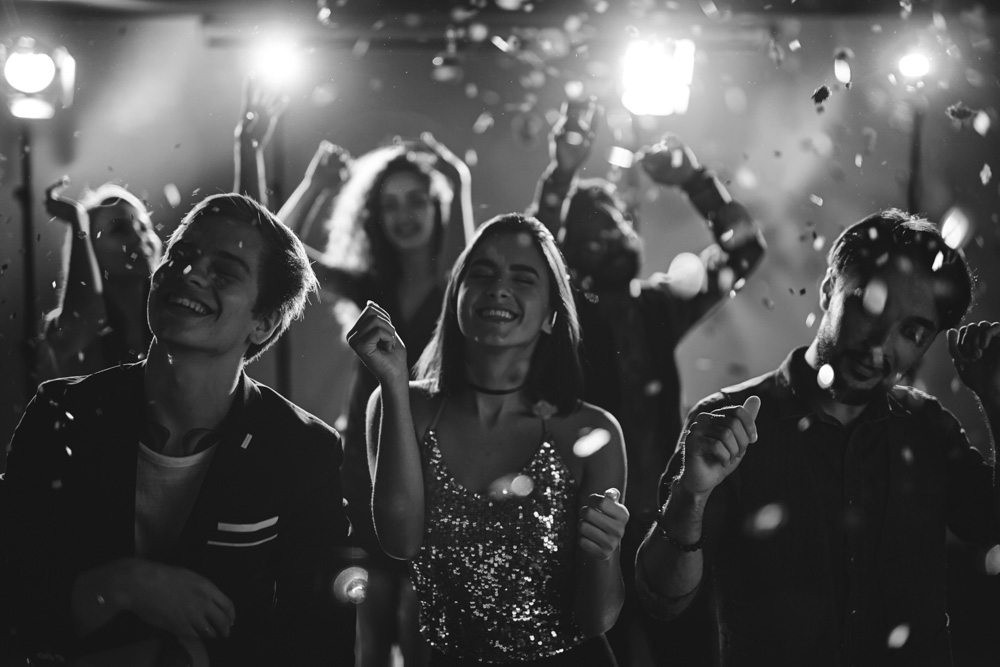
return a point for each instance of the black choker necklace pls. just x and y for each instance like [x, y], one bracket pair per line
[494, 392]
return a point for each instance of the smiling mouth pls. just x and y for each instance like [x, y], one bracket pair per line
[188, 304]
[863, 370]
[497, 314]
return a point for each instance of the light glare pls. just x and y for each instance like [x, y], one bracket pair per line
[657, 77]
[29, 72]
[277, 63]
[914, 65]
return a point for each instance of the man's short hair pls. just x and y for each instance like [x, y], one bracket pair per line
[892, 234]
[285, 279]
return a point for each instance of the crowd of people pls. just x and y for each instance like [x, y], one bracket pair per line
[515, 468]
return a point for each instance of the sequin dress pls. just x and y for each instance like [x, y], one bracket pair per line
[495, 573]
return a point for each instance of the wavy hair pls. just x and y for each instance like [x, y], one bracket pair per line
[555, 375]
[356, 240]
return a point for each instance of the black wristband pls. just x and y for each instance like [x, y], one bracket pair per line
[680, 546]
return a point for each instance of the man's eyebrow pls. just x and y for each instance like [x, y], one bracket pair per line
[924, 322]
[235, 258]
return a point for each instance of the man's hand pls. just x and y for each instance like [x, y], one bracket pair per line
[975, 349]
[573, 134]
[670, 162]
[179, 601]
[715, 445]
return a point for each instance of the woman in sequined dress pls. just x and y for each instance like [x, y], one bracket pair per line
[489, 471]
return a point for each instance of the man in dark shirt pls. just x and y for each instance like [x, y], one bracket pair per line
[175, 511]
[809, 506]
[632, 328]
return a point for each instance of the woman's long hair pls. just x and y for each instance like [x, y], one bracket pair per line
[555, 375]
[356, 240]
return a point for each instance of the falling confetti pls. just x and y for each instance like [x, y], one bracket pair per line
[985, 174]
[875, 295]
[810, 319]
[960, 112]
[820, 95]
[981, 123]
[825, 376]
[993, 561]
[590, 442]
[898, 636]
[841, 66]
[767, 520]
[816, 200]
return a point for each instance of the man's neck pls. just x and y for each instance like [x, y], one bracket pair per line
[187, 392]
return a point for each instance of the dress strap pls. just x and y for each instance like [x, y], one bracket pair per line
[437, 416]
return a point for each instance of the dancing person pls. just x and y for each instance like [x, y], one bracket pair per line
[489, 471]
[809, 506]
[632, 329]
[395, 218]
[175, 507]
[110, 251]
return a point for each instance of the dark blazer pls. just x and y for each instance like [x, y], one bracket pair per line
[266, 528]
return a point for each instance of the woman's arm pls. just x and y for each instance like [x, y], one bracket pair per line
[258, 117]
[461, 223]
[394, 455]
[600, 589]
[82, 314]
[314, 197]
[569, 147]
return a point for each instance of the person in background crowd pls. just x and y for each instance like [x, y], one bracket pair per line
[632, 328]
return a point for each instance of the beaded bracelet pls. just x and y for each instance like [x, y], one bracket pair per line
[680, 546]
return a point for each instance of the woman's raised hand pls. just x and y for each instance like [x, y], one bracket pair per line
[381, 350]
[63, 208]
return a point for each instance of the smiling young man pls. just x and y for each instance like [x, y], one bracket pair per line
[175, 507]
[809, 506]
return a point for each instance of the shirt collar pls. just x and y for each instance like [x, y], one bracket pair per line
[798, 378]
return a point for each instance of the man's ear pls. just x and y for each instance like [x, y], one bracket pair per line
[264, 327]
[826, 289]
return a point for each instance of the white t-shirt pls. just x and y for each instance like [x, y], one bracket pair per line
[166, 488]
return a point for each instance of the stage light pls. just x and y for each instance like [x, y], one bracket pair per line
[276, 63]
[914, 65]
[37, 79]
[657, 76]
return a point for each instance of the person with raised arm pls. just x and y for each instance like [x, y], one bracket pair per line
[491, 475]
[808, 507]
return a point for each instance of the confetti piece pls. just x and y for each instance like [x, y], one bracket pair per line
[590, 442]
[794, 45]
[960, 112]
[875, 296]
[810, 319]
[985, 174]
[824, 378]
[981, 123]
[821, 94]
[816, 200]
[765, 521]
[898, 636]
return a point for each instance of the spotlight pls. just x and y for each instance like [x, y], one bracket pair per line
[657, 76]
[37, 79]
[276, 63]
[914, 65]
